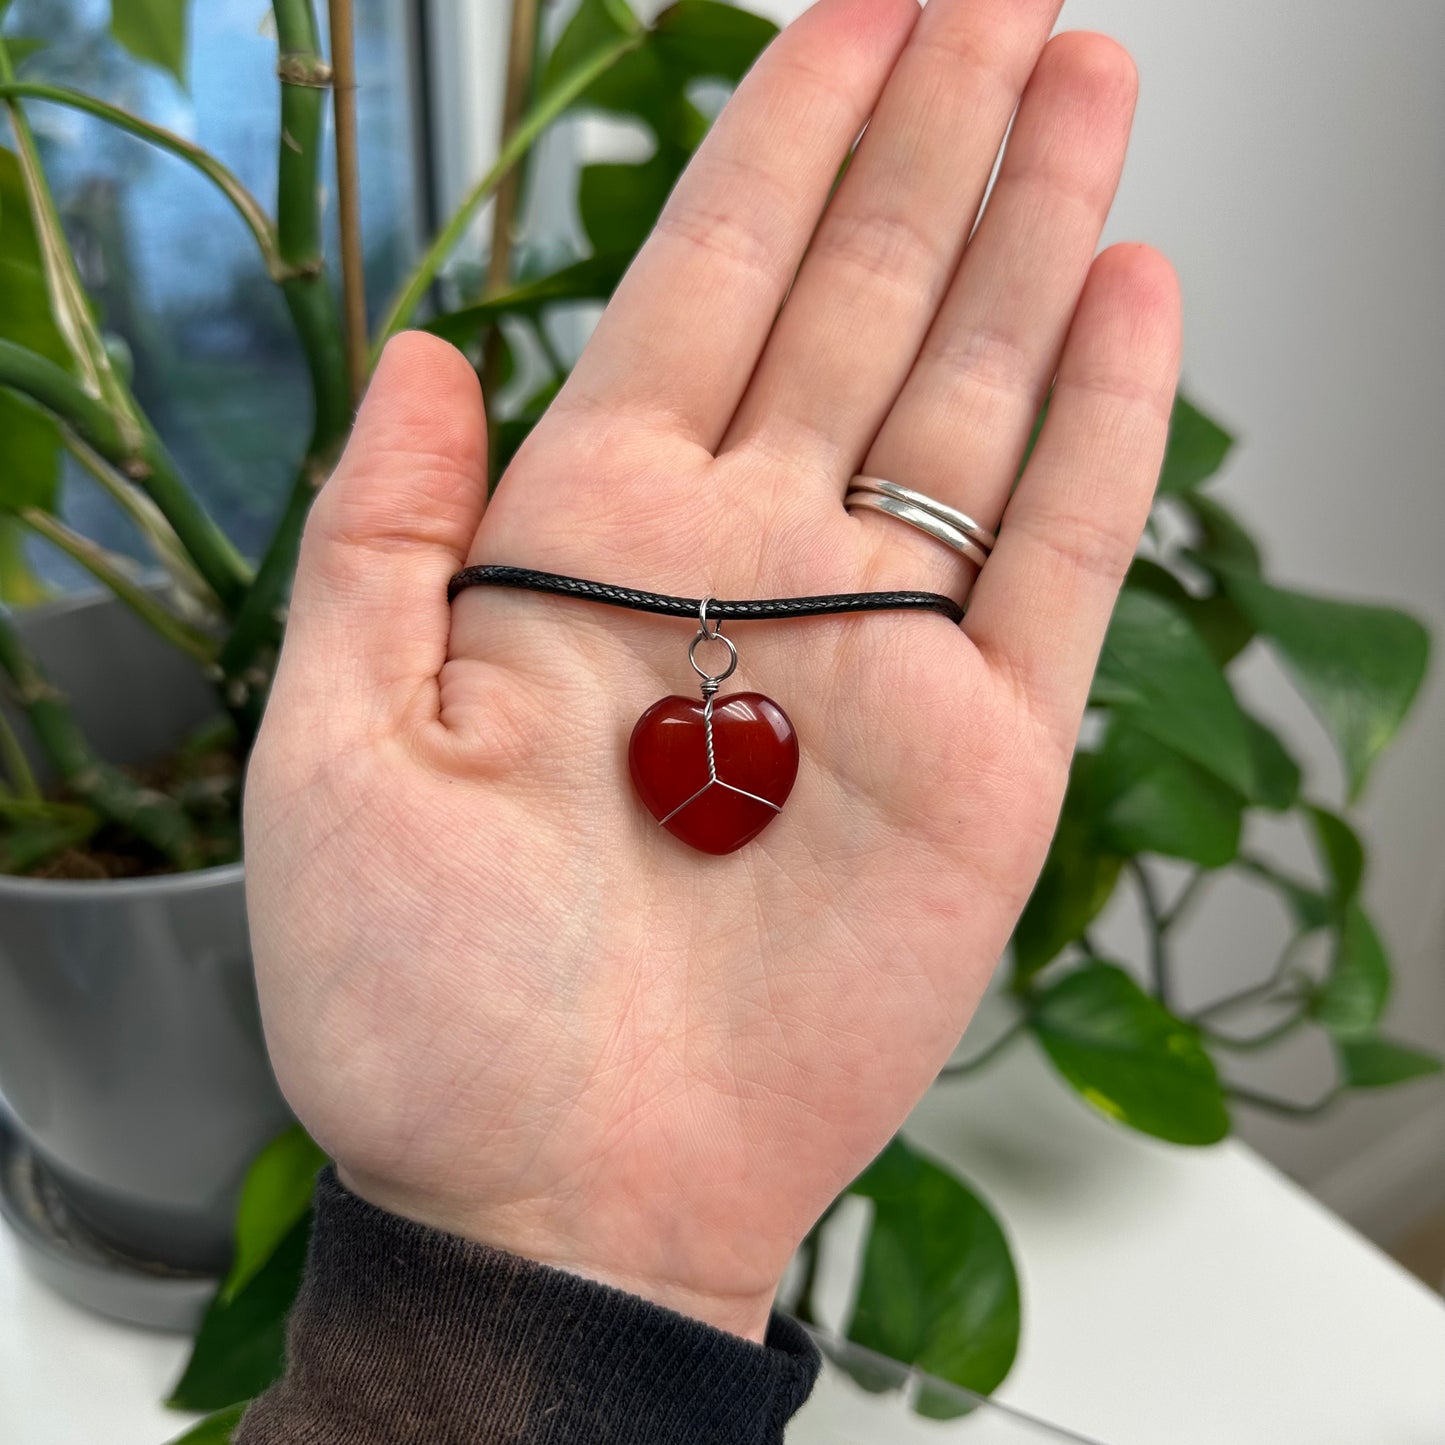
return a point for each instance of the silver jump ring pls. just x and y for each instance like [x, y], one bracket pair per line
[924, 520]
[716, 629]
[705, 636]
[965, 524]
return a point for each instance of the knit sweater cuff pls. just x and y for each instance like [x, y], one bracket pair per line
[403, 1335]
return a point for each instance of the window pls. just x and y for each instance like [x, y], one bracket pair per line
[174, 271]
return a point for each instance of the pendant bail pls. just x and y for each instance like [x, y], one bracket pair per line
[711, 681]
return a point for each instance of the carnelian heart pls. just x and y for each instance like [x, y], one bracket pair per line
[755, 750]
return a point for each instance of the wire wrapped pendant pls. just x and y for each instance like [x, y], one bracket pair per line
[714, 772]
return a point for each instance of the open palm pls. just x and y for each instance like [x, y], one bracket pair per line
[506, 1001]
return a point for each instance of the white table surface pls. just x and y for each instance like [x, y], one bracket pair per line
[1172, 1297]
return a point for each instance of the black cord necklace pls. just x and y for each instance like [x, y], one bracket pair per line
[714, 773]
[660, 602]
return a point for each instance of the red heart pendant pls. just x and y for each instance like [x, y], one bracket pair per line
[754, 762]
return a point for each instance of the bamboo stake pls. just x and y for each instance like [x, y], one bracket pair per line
[521, 55]
[515, 146]
[348, 192]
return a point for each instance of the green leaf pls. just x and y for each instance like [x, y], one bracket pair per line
[240, 1348]
[1358, 666]
[1213, 616]
[31, 467]
[214, 1429]
[1152, 800]
[695, 39]
[1341, 852]
[153, 31]
[1146, 575]
[1156, 671]
[1078, 878]
[702, 38]
[1353, 996]
[591, 279]
[938, 1287]
[1220, 535]
[31, 473]
[22, 47]
[1277, 776]
[1196, 450]
[595, 25]
[618, 205]
[274, 1199]
[1377, 1063]
[1129, 1056]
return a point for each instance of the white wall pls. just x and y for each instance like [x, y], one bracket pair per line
[1290, 158]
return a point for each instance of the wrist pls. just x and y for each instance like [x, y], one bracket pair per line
[634, 1259]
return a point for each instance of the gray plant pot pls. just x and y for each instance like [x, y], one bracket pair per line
[131, 1058]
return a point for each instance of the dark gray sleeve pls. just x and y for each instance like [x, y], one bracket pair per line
[403, 1335]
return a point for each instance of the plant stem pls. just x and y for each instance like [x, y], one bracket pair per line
[146, 463]
[516, 145]
[148, 520]
[348, 192]
[1185, 900]
[248, 654]
[247, 206]
[1255, 992]
[260, 622]
[1287, 1107]
[16, 764]
[987, 1054]
[151, 816]
[305, 79]
[1260, 1040]
[105, 568]
[1154, 917]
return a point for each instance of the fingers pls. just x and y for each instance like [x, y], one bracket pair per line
[1042, 603]
[963, 418]
[684, 330]
[367, 631]
[893, 234]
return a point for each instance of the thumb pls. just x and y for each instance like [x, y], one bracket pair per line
[367, 631]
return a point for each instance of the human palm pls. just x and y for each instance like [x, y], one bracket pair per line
[497, 993]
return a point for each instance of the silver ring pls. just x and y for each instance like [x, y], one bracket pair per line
[716, 629]
[961, 520]
[925, 521]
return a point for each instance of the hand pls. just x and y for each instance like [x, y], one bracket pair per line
[505, 1000]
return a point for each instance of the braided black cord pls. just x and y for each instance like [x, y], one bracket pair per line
[638, 601]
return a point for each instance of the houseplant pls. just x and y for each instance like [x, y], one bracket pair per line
[1176, 766]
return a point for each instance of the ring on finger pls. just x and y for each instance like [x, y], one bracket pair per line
[945, 524]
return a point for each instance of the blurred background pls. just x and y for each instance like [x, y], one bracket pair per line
[1288, 157]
